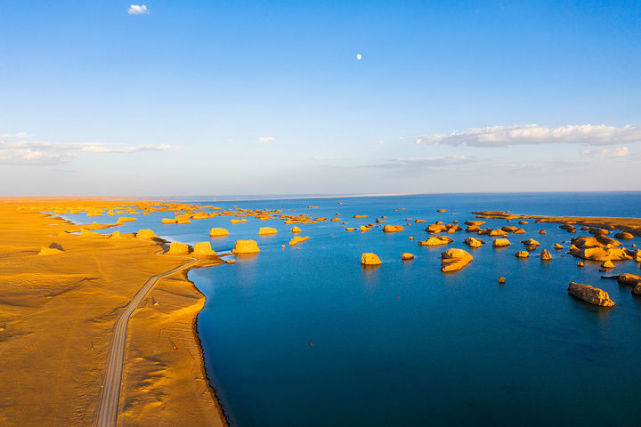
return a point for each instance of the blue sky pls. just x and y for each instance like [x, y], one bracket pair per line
[201, 97]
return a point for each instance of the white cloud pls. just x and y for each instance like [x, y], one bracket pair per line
[266, 139]
[130, 149]
[28, 156]
[138, 9]
[29, 152]
[16, 135]
[502, 136]
[606, 152]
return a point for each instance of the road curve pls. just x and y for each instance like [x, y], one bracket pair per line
[110, 397]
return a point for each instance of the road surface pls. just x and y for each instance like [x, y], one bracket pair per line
[110, 397]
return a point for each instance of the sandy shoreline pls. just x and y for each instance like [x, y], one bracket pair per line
[57, 313]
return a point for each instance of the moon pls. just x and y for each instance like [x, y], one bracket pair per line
[359, 56]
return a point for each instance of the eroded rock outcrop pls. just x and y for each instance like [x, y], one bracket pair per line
[545, 255]
[146, 234]
[624, 235]
[436, 241]
[218, 232]
[590, 294]
[522, 254]
[474, 243]
[245, 247]
[454, 259]
[298, 239]
[500, 243]
[370, 259]
[598, 248]
[203, 249]
[267, 231]
[530, 243]
[392, 228]
[177, 248]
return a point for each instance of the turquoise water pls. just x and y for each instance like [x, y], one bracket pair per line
[306, 336]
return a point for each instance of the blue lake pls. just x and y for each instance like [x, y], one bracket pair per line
[304, 336]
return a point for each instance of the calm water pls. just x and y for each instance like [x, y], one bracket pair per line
[306, 337]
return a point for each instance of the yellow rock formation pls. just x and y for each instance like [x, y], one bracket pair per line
[436, 241]
[298, 239]
[369, 258]
[406, 256]
[629, 279]
[500, 243]
[218, 232]
[624, 235]
[530, 242]
[522, 254]
[146, 234]
[364, 228]
[590, 294]
[558, 246]
[124, 219]
[296, 230]
[454, 259]
[267, 231]
[598, 248]
[607, 264]
[392, 228]
[350, 229]
[177, 248]
[168, 220]
[360, 216]
[474, 243]
[203, 249]
[501, 280]
[545, 255]
[237, 221]
[245, 247]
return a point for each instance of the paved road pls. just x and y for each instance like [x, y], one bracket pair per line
[110, 397]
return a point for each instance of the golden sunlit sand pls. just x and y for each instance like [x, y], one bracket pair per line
[61, 294]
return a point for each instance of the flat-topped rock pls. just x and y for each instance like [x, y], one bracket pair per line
[245, 247]
[203, 249]
[436, 241]
[500, 243]
[146, 234]
[392, 228]
[218, 232]
[177, 248]
[267, 231]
